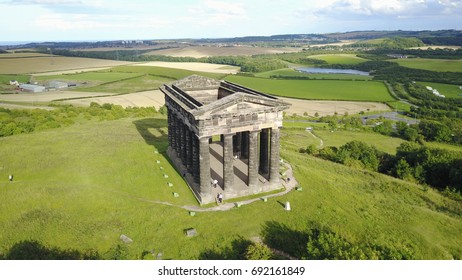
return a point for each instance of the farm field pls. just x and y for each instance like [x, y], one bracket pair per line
[41, 64]
[290, 72]
[206, 51]
[94, 76]
[339, 58]
[81, 187]
[148, 98]
[318, 89]
[195, 66]
[441, 65]
[139, 83]
[323, 137]
[452, 91]
[327, 107]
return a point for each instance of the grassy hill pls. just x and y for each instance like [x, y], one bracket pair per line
[81, 187]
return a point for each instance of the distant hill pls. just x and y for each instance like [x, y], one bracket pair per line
[441, 37]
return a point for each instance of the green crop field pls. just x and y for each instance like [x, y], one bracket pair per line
[337, 138]
[289, 72]
[453, 91]
[318, 89]
[139, 83]
[339, 58]
[98, 76]
[441, 65]
[82, 186]
[172, 73]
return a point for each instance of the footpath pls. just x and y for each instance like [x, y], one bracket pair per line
[226, 206]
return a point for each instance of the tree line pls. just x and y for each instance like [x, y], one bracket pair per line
[438, 168]
[13, 122]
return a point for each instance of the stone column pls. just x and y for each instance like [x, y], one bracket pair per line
[177, 136]
[245, 145]
[183, 143]
[228, 162]
[188, 150]
[274, 157]
[253, 161]
[170, 121]
[195, 159]
[264, 163]
[172, 131]
[204, 168]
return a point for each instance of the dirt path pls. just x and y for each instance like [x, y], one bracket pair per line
[226, 206]
[321, 142]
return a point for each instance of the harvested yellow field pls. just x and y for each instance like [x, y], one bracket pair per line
[194, 66]
[45, 97]
[42, 64]
[206, 51]
[151, 98]
[325, 108]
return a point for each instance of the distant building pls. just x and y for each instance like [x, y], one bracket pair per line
[57, 84]
[32, 88]
[397, 56]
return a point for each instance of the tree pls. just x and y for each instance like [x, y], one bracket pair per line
[258, 251]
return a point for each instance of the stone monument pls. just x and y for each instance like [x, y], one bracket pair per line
[223, 137]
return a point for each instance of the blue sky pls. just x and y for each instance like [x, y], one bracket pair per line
[78, 20]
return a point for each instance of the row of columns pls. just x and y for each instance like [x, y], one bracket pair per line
[194, 154]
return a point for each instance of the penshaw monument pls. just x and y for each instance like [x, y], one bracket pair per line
[223, 137]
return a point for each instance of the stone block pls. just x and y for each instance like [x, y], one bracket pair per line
[176, 194]
[165, 176]
[125, 239]
[190, 232]
[192, 213]
[170, 184]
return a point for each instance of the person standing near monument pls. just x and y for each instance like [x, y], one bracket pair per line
[220, 198]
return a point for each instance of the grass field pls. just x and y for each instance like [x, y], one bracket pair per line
[453, 91]
[98, 76]
[441, 65]
[206, 51]
[339, 58]
[294, 73]
[337, 138]
[41, 64]
[83, 186]
[140, 83]
[318, 89]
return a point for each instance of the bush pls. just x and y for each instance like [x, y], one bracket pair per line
[258, 251]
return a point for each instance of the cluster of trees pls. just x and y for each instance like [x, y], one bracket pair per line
[14, 122]
[429, 53]
[390, 43]
[438, 168]
[319, 242]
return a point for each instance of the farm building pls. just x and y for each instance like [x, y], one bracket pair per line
[57, 84]
[32, 88]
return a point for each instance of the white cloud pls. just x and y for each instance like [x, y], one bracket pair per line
[359, 10]
[59, 22]
[215, 12]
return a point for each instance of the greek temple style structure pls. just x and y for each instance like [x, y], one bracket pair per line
[223, 137]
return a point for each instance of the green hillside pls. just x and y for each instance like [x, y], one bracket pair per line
[81, 187]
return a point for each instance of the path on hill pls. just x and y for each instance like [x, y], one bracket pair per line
[230, 205]
[321, 142]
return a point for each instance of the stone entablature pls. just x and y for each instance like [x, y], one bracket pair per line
[247, 121]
